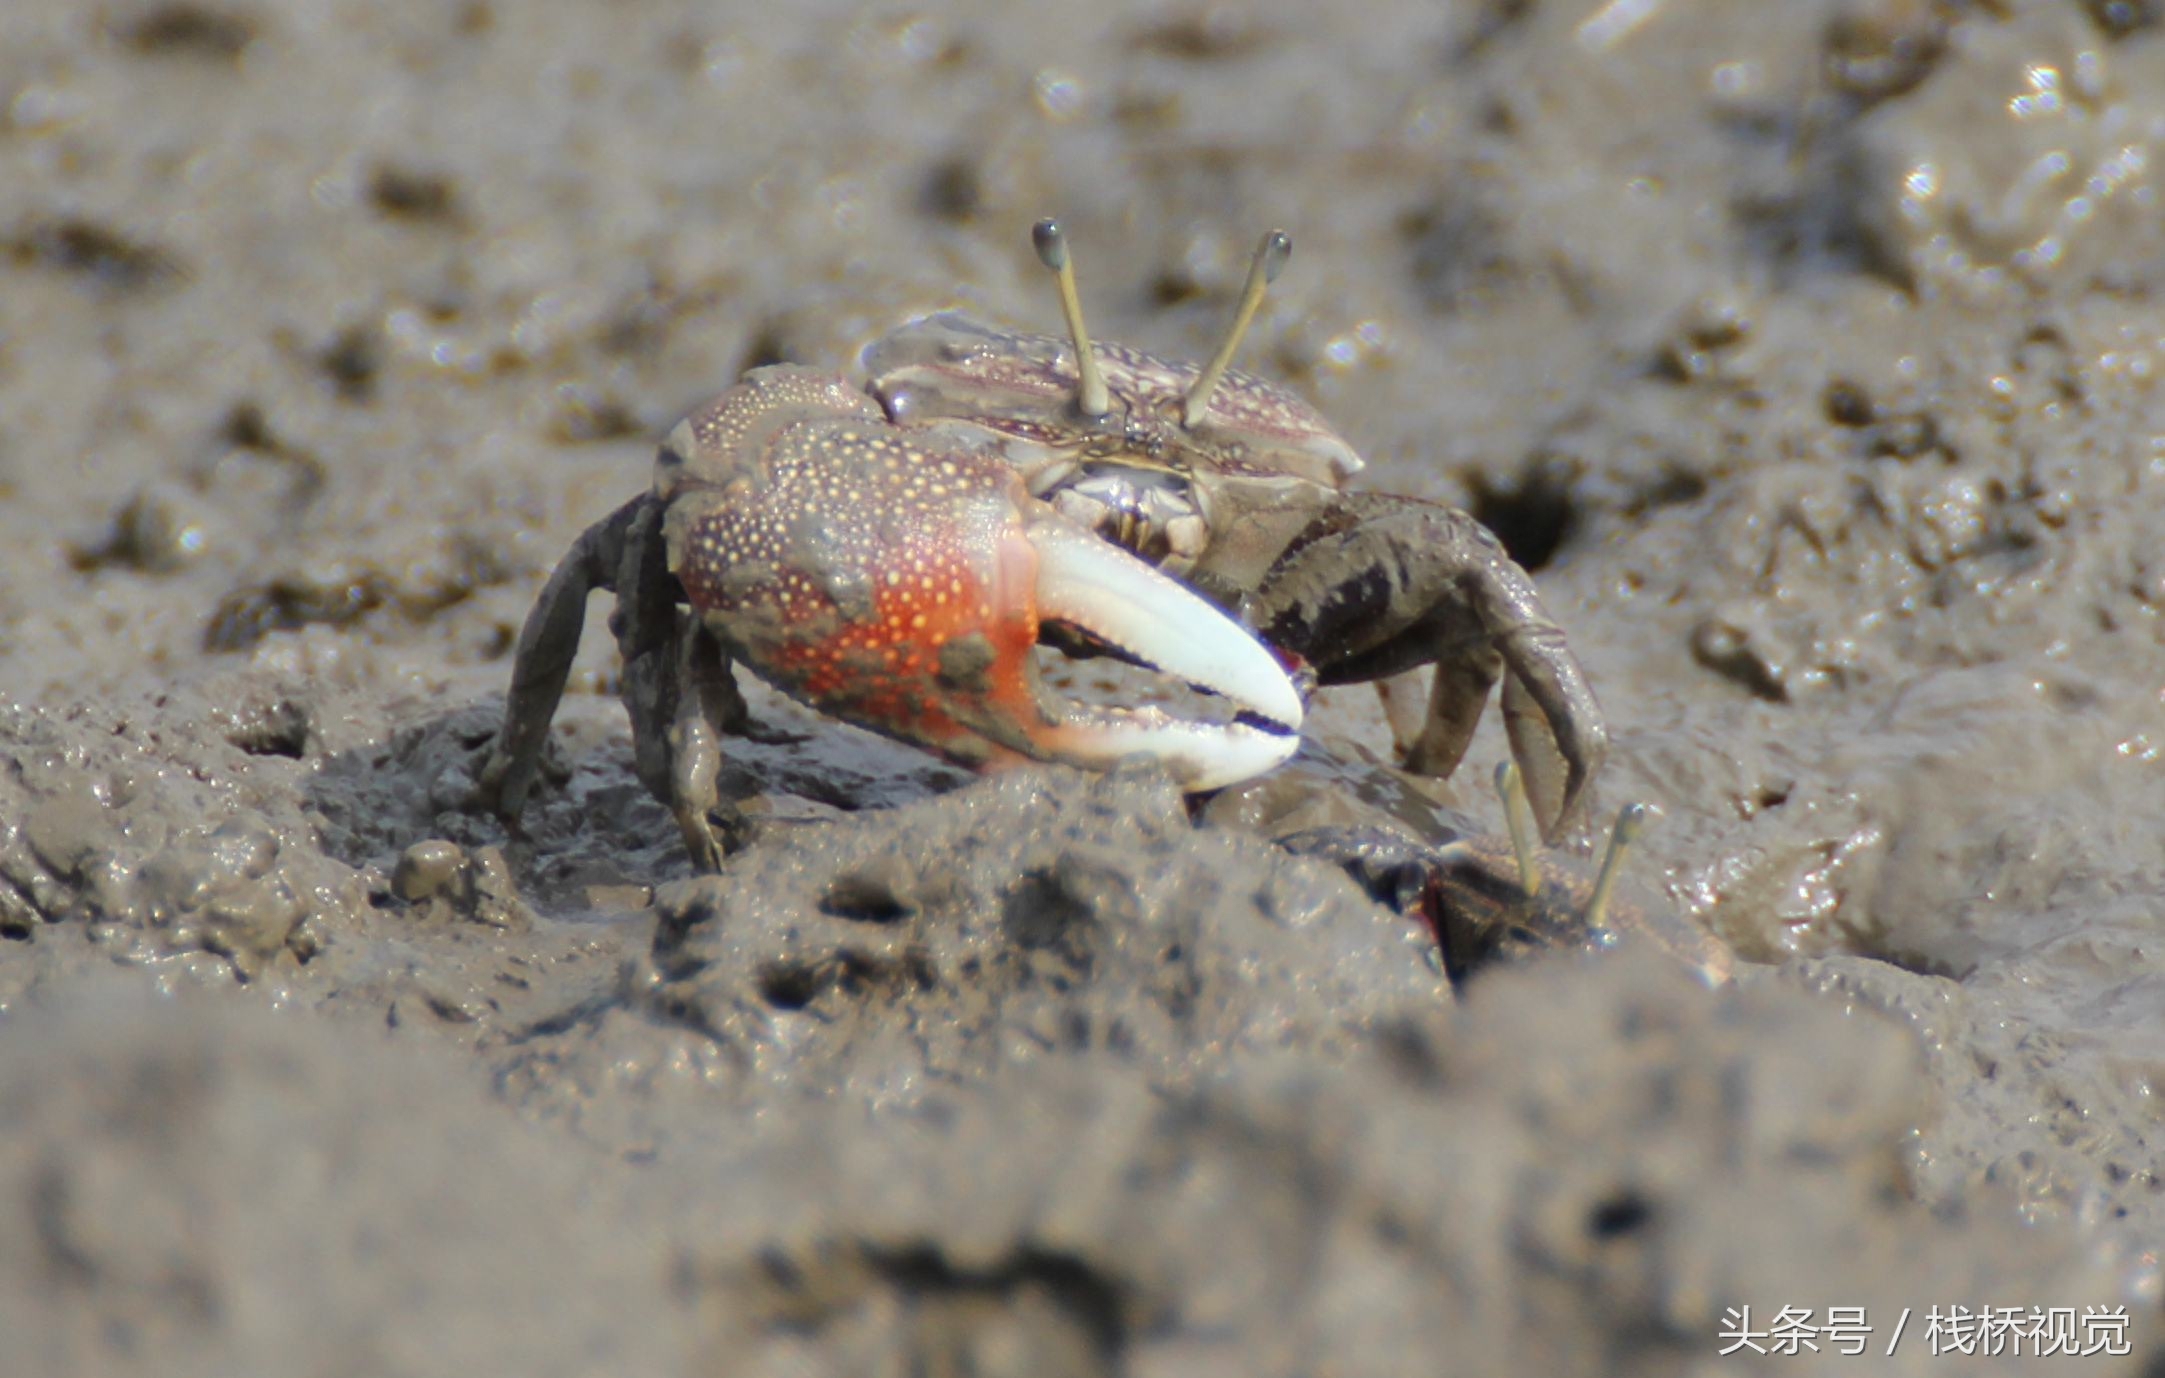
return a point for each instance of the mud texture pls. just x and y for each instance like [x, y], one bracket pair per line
[1808, 353]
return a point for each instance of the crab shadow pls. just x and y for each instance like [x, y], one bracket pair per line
[590, 825]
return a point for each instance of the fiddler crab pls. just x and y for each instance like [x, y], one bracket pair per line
[892, 555]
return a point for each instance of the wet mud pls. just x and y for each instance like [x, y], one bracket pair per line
[1807, 354]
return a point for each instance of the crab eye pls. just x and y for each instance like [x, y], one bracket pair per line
[902, 405]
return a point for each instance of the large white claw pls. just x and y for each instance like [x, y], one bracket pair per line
[1199, 756]
[1116, 597]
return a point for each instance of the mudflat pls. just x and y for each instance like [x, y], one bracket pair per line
[1807, 354]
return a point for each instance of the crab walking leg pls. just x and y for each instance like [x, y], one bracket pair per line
[1083, 581]
[1554, 746]
[1381, 584]
[547, 644]
[707, 701]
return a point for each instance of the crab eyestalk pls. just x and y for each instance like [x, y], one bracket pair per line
[1051, 241]
[1630, 822]
[1518, 817]
[1270, 256]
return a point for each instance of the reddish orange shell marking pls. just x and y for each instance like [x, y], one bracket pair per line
[858, 555]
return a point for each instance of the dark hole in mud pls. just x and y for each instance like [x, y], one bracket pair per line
[189, 31]
[1460, 254]
[1535, 515]
[158, 530]
[351, 361]
[105, 256]
[247, 615]
[1086, 1298]
[1410, 1051]
[918, 968]
[247, 428]
[1627, 1212]
[18, 917]
[405, 194]
[1814, 225]
[1041, 911]
[1847, 403]
[2119, 18]
[1877, 55]
[1673, 487]
[57, 1234]
[279, 730]
[1212, 34]
[1491, 22]
[1172, 287]
[767, 346]
[585, 415]
[1904, 437]
[640, 326]
[880, 891]
[952, 190]
[781, 1270]
[788, 985]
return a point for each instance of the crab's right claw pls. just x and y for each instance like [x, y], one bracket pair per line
[1088, 584]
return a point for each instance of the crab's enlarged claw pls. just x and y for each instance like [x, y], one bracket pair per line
[897, 578]
[1086, 583]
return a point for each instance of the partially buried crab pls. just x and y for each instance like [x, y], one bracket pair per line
[892, 555]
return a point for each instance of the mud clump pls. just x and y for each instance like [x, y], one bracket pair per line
[96, 831]
[1042, 915]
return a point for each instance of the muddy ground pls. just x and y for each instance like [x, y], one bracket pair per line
[1808, 352]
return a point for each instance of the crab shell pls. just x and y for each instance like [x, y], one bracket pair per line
[1251, 473]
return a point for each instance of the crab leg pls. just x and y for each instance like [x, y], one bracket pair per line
[547, 644]
[1390, 583]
